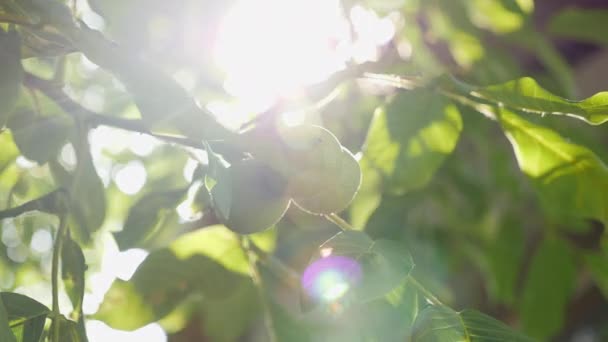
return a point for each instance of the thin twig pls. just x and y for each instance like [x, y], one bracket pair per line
[14, 19]
[55, 274]
[338, 221]
[431, 297]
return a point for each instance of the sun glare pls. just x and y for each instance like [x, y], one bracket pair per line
[272, 49]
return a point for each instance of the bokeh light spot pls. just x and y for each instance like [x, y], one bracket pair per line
[330, 278]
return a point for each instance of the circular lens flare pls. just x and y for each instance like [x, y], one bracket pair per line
[330, 278]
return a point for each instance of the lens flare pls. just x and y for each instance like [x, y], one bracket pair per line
[330, 278]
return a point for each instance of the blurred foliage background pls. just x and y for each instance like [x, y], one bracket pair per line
[438, 177]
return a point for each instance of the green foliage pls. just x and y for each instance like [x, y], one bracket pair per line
[420, 152]
[11, 70]
[68, 330]
[5, 333]
[440, 323]
[410, 137]
[40, 128]
[547, 288]
[73, 267]
[580, 24]
[148, 216]
[26, 316]
[570, 177]
[207, 263]
[526, 95]
[384, 264]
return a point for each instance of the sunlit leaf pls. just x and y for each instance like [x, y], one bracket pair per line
[10, 152]
[26, 316]
[571, 179]
[548, 288]
[368, 197]
[526, 95]
[208, 262]
[440, 323]
[147, 216]
[409, 138]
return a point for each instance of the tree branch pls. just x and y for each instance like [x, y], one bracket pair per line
[74, 109]
[44, 204]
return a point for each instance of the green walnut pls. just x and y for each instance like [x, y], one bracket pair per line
[287, 148]
[329, 188]
[255, 195]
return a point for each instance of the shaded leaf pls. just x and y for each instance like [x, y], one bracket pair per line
[146, 217]
[597, 263]
[39, 128]
[11, 71]
[383, 265]
[73, 267]
[227, 319]
[68, 330]
[581, 24]
[6, 335]
[548, 288]
[440, 323]
[571, 179]
[410, 137]
[26, 316]
[86, 194]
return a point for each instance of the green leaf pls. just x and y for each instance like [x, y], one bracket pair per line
[10, 152]
[202, 262]
[504, 256]
[26, 316]
[68, 330]
[384, 264]
[597, 264]
[526, 95]
[547, 289]
[11, 71]
[6, 335]
[440, 323]
[86, 194]
[73, 267]
[580, 24]
[39, 128]
[571, 179]
[147, 216]
[227, 319]
[410, 137]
